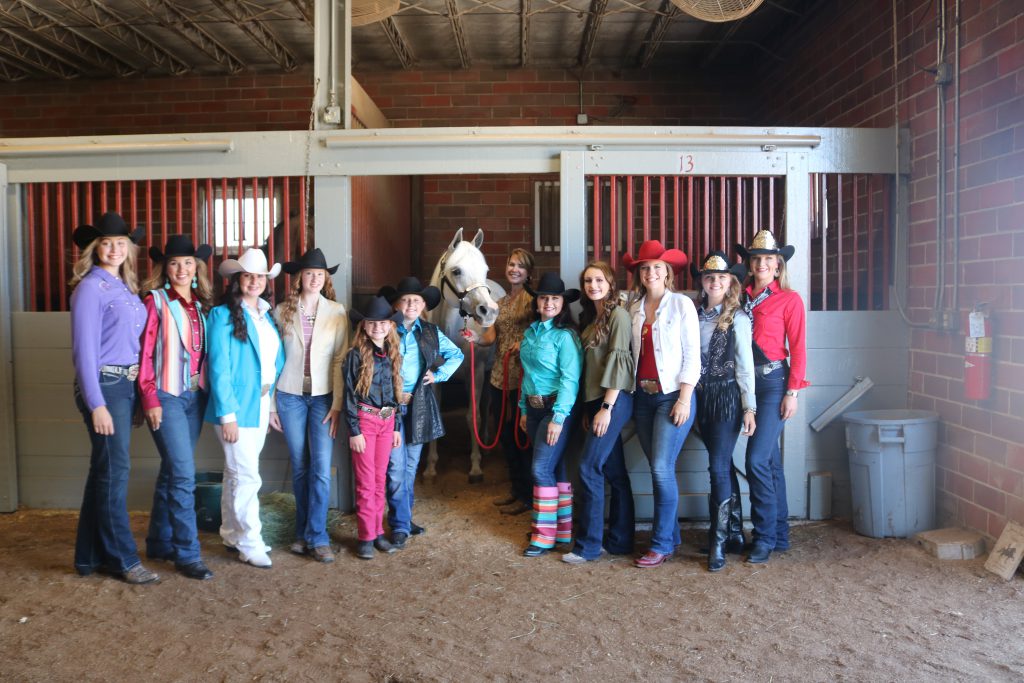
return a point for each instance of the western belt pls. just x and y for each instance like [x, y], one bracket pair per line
[130, 372]
[383, 413]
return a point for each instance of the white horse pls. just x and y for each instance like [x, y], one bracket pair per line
[470, 300]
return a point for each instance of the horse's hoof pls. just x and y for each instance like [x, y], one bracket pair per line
[476, 479]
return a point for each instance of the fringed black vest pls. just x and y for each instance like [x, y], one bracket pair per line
[718, 394]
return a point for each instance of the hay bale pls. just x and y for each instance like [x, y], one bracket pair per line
[277, 515]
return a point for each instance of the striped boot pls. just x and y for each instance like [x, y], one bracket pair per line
[545, 516]
[564, 531]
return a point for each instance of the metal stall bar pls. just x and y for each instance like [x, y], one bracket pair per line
[61, 261]
[613, 213]
[45, 221]
[869, 181]
[596, 215]
[855, 228]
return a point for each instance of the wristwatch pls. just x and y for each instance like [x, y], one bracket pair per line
[792, 392]
[606, 405]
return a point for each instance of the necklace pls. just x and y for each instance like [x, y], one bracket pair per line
[310, 318]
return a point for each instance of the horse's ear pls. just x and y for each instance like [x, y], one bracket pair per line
[478, 239]
[456, 239]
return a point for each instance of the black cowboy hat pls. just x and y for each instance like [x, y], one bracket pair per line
[550, 283]
[412, 285]
[180, 245]
[717, 262]
[764, 243]
[109, 224]
[377, 309]
[313, 258]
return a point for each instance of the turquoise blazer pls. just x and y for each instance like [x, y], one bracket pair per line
[234, 369]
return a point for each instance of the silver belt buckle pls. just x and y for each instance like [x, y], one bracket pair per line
[386, 412]
[193, 383]
[132, 372]
[535, 401]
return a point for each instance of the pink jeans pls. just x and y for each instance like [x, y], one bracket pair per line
[370, 468]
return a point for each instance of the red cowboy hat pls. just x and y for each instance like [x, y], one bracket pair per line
[653, 250]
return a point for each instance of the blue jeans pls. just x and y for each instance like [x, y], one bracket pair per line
[768, 509]
[662, 441]
[172, 523]
[402, 467]
[548, 465]
[310, 447]
[104, 530]
[720, 440]
[602, 460]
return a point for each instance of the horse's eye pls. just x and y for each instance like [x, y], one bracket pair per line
[456, 272]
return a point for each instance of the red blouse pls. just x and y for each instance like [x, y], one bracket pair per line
[647, 364]
[147, 378]
[777, 320]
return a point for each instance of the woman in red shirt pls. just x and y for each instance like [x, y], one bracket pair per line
[777, 313]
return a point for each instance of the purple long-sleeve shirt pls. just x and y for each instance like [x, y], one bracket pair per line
[106, 323]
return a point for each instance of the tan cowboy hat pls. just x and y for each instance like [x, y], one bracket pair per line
[252, 261]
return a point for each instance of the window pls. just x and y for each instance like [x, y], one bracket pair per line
[248, 221]
[547, 215]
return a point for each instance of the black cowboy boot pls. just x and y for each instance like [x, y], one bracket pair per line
[717, 536]
[735, 542]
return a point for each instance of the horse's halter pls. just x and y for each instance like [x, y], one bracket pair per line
[459, 294]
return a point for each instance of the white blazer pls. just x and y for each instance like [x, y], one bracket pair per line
[676, 338]
[326, 351]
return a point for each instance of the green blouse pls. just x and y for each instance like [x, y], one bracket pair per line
[608, 364]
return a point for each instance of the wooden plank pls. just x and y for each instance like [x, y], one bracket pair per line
[46, 403]
[1008, 551]
[42, 330]
[856, 330]
[50, 366]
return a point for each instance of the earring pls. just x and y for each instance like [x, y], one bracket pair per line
[167, 285]
[195, 282]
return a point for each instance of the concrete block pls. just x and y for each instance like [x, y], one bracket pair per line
[952, 544]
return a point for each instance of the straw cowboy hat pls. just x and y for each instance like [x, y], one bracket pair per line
[654, 250]
[764, 243]
[378, 309]
[551, 284]
[180, 245]
[412, 285]
[717, 262]
[109, 224]
[313, 258]
[253, 261]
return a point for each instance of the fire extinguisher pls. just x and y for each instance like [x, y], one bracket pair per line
[978, 356]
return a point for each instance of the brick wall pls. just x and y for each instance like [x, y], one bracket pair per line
[551, 97]
[189, 104]
[841, 75]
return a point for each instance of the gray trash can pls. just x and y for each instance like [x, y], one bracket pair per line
[892, 470]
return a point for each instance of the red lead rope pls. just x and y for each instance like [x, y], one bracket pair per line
[504, 400]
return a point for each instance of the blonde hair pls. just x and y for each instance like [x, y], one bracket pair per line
[638, 291]
[128, 272]
[203, 291]
[730, 304]
[782, 278]
[364, 346]
[291, 301]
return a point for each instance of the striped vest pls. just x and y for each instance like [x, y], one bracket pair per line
[173, 346]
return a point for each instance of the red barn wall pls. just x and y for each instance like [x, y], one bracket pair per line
[840, 74]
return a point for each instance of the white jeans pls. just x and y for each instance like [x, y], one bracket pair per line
[239, 503]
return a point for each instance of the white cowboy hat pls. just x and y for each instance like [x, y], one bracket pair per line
[252, 261]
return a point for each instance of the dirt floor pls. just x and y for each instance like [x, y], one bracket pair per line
[461, 604]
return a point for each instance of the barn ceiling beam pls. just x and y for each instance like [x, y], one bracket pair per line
[48, 26]
[598, 9]
[398, 43]
[97, 15]
[34, 57]
[724, 34]
[524, 32]
[656, 33]
[9, 73]
[251, 25]
[175, 19]
[305, 9]
[455, 19]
